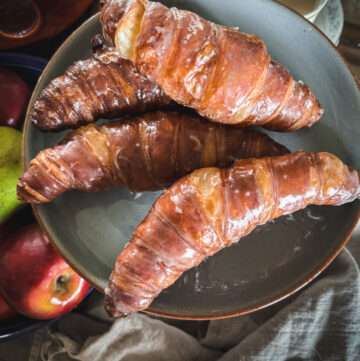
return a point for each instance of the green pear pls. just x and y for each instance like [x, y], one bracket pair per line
[10, 171]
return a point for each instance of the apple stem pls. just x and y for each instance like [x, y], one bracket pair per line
[61, 283]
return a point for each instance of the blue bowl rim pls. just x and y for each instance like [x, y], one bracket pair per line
[23, 60]
[27, 325]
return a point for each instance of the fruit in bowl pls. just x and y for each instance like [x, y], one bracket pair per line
[10, 170]
[14, 96]
[34, 279]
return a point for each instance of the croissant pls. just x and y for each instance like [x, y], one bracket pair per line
[212, 208]
[225, 75]
[104, 86]
[145, 153]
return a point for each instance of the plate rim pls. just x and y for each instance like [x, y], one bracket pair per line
[287, 293]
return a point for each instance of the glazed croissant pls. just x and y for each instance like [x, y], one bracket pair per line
[104, 86]
[145, 153]
[212, 208]
[225, 75]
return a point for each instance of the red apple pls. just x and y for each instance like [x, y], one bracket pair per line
[14, 96]
[34, 279]
[6, 312]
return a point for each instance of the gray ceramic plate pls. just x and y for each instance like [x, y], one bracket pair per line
[275, 260]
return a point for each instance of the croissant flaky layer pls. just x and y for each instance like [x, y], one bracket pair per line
[225, 75]
[104, 86]
[213, 208]
[145, 153]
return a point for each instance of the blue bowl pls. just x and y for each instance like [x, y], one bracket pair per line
[29, 68]
[21, 325]
[26, 66]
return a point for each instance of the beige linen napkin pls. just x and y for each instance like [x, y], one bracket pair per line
[137, 337]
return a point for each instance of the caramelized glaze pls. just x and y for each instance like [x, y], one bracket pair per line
[104, 86]
[212, 208]
[224, 74]
[145, 153]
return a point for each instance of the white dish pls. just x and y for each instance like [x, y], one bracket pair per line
[331, 20]
[318, 7]
[309, 9]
